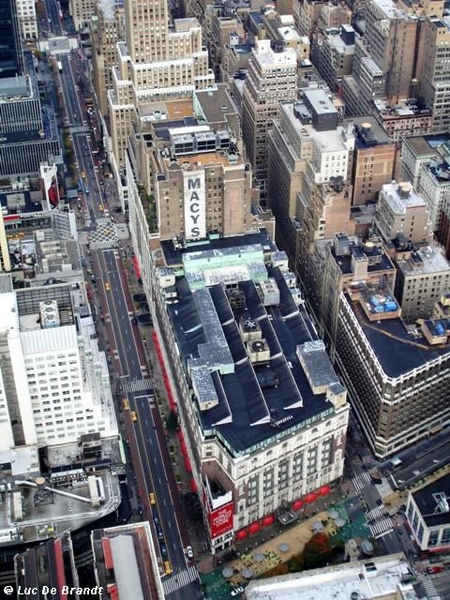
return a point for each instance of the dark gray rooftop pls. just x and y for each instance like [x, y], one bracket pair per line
[256, 401]
[433, 502]
[397, 351]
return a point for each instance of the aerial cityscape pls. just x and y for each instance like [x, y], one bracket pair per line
[225, 299]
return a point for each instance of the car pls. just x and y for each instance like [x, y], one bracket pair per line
[107, 286]
[435, 569]
[376, 480]
[152, 498]
[167, 568]
[159, 531]
[83, 174]
[237, 591]
[163, 551]
[189, 552]
[126, 404]
[134, 416]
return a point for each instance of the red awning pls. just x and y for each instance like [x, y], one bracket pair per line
[311, 497]
[241, 534]
[187, 464]
[297, 505]
[254, 527]
[269, 520]
[136, 267]
[324, 490]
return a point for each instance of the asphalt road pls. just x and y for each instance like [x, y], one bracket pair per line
[147, 439]
[51, 8]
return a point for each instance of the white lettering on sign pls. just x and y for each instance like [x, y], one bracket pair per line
[221, 521]
[194, 205]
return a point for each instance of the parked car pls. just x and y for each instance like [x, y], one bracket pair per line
[189, 552]
[237, 591]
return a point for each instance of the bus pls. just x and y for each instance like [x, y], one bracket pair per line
[80, 186]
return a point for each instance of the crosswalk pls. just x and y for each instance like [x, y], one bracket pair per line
[361, 481]
[138, 385]
[104, 236]
[384, 488]
[379, 521]
[428, 586]
[376, 513]
[364, 480]
[179, 580]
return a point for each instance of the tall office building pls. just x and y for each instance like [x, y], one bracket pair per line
[107, 28]
[26, 13]
[387, 60]
[28, 129]
[160, 60]
[402, 211]
[11, 56]
[54, 382]
[435, 70]
[271, 79]
[81, 11]
[308, 164]
[397, 377]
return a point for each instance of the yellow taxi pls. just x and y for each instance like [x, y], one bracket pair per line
[167, 568]
[107, 286]
[152, 498]
[133, 416]
[126, 404]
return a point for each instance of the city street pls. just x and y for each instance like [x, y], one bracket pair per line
[147, 437]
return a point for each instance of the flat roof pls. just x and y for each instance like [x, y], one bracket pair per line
[426, 145]
[12, 87]
[357, 251]
[216, 104]
[256, 400]
[328, 141]
[374, 578]
[398, 202]
[397, 351]
[423, 263]
[433, 502]
[174, 256]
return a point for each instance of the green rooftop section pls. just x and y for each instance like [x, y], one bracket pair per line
[225, 265]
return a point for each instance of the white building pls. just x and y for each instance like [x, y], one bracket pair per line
[387, 577]
[54, 381]
[428, 514]
[26, 12]
[435, 189]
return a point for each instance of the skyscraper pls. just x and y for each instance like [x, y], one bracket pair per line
[271, 78]
[11, 58]
[158, 62]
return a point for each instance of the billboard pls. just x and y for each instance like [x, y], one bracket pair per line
[221, 520]
[194, 205]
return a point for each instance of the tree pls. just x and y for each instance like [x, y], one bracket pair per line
[317, 551]
[172, 421]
